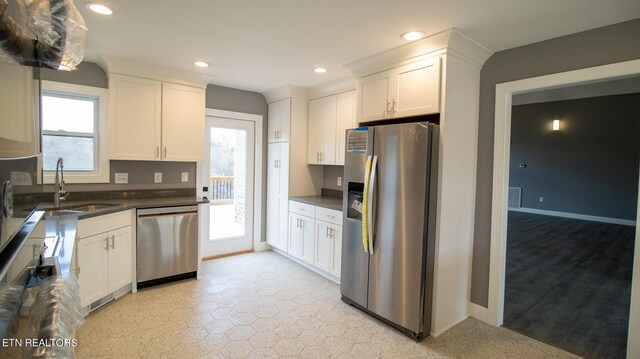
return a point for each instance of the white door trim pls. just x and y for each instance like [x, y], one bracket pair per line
[258, 245]
[502, 135]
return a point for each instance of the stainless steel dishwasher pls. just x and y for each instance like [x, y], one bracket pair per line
[167, 244]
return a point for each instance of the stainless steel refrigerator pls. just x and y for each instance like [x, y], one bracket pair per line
[390, 196]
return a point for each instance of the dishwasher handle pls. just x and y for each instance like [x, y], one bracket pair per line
[166, 211]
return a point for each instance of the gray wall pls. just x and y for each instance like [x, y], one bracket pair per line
[588, 167]
[330, 177]
[87, 74]
[606, 45]
[229, 99]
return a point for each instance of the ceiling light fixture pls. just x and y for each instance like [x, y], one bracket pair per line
[99, 8]
[201, 64]
[413, 35]
[319, 70]
[556, 125]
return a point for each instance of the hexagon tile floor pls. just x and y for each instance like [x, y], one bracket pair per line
[262, 305]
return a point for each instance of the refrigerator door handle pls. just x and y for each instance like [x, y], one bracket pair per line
[372, 181]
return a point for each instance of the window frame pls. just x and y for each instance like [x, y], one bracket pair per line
[100, 173]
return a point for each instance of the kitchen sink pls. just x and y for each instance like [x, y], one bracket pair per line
[78, 209]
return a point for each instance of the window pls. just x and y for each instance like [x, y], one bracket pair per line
[74, 128]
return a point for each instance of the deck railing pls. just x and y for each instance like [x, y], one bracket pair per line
[221, 189]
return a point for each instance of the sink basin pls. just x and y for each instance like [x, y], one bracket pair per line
[60, 212]
[78, 209]
[92, 207]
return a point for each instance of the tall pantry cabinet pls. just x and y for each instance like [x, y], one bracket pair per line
[287, 170]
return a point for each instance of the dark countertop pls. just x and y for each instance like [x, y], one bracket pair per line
[320, 201]
[126, 204]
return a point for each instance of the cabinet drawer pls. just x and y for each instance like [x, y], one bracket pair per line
[329, 215]
[100, 224]
[302, 208]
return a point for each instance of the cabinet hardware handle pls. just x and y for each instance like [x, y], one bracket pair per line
[165, 152]
[113, 242]
[327, 234]
[333, 233]
[393, 107]
[386, 111]
[301, 223]
[107, 240]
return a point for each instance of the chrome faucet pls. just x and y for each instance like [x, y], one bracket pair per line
[59, 193]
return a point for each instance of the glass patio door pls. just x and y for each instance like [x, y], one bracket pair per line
[230, 165]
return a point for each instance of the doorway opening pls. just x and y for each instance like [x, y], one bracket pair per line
[504, 96]
[573, 182]
[229, 168]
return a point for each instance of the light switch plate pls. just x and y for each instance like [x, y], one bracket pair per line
[185, 177]
[122, 177]
[339, 181]
[157, 177]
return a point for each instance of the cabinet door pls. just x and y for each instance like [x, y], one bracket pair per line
[273, 122]
[417, 90]
[295, 235]
[273, 169]
[134, 118]
[93, 267]
[284, 116]
[308, 235]
[182, 122]
[315, 122]
[324, 246]
[375, 96]
[327, 131]
[345, 119]
[120, 258]
[336, 253]
[283, 219]
[273, 214]
[17, 102]
[283, 168]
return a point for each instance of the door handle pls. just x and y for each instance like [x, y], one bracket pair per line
[387, 111]
[113, 242]
[372, 182]
[165, 152]
[327, 233]
[107, 240]
[393, 107]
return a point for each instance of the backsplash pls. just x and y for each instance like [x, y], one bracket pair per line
[331, 174]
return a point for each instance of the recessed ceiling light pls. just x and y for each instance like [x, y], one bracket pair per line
[413, 35]
[319, 70]
[99, 8]
[201, 64]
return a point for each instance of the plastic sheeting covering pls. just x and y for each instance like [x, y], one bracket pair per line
[43, 33]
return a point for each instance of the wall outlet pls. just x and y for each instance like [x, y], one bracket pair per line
[541, 199]
[339, 181]
[184, 177]
[122, 177]
[157, 177]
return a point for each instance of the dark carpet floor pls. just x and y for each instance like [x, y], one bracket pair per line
[568, 283]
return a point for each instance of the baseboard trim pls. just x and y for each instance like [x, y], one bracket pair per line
[625, 222]
[310, 267]
[478, 312]
[443, 330]
[227, 255]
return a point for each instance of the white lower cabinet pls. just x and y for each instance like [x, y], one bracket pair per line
[301, 237]
[315, 238]
[328, 250]
[103, 257]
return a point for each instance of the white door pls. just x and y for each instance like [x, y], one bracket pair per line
[229, 163]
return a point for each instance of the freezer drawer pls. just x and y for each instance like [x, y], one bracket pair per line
[167, 242]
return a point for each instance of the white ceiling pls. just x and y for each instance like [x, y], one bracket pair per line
[260, 45]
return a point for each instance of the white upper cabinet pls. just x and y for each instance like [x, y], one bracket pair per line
[182, 122]
[154, 120]
[322, 131]
[409, 90]
[279, 121]
[329, 117]
[18, 105]
[346, 119]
